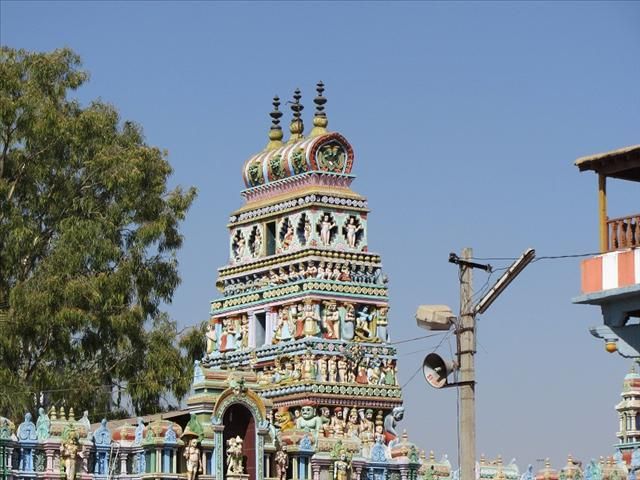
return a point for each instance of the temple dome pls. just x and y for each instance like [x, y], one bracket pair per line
[328, 153]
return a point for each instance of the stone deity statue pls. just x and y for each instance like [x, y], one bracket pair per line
[352, 232]
[192, 454]
[325, 230]
[331, 320]
[234, 456]
[212, 338]
[68, 454]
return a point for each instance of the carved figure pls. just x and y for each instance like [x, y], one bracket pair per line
[320, 272]
[310, 319]
[332, 370]
[308, 421]
[283, 419]
[257, 243]
[282, 463]
[322, 369]
[239, 246]
[347, 327]
[192, 454]
[228, 335]
[287, 240]
[338, 424]
[244, 332]
[68, 453]
[390, 423]
[308, 366]
[342, 370]
[284, 328]
[283, 277]
[363, 332]
[331, 320]
[342, 467]
[352, 428]
[307, 230]
[325, 230]
[312, 270]
[335, 273]
[42, 425]
[345, 275]
[212, 338]
[234, 456]
[352, 231]
[381, 323]
[367, 426]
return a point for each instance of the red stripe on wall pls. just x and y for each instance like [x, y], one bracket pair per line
[626, 269]
[591, 270]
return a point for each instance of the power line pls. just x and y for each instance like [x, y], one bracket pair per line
[548, 257]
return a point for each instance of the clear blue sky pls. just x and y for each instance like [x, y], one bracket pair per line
[465, 119]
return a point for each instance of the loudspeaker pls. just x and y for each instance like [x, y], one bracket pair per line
[436, 370]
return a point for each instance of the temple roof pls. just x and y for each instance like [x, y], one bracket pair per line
[329, 152]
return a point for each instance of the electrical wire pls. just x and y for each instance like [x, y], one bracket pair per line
[547, 257]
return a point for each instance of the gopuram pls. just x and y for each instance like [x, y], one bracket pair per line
[299, 367]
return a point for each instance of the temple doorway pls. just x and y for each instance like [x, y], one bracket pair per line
[238, 421]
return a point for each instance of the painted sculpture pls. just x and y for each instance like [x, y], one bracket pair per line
[69, 453]
[192, 456]
[234, 456]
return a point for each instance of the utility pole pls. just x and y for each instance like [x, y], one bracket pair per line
[466, 351]
[440, 318]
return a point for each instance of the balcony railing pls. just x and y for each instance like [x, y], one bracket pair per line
[624, 232]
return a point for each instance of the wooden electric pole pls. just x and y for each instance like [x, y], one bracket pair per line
[466, 351]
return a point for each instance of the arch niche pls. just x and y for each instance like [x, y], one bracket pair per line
[241, 413]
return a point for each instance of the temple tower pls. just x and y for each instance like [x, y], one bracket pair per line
[298, 363]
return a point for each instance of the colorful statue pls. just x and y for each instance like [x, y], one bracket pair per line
[352, 429]
[282, 463]
[381, 323]
[331, 320]
[338, 424]
[68, 453]
[347, 327]
[390, 423]
[363, 332]
[288, 238]
[342, 467]
[310, 319]
[283, 420]
[192, 455]
[307, 230]
[332, 369]
[212, 338]
[308, 421]
[322, 369]
[228, 335]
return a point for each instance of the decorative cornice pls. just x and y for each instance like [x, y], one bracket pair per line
[304, 254]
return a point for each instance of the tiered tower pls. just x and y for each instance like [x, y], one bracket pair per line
[299, 367]
[629, 416]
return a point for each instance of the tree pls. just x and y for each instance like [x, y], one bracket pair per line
[88, 241]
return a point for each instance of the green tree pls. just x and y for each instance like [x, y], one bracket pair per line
[88, 241]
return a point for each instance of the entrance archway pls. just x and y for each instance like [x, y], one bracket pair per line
[238, 421]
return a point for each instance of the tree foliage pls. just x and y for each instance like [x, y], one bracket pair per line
[88, 238]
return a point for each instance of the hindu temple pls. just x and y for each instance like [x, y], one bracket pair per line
[300, 377]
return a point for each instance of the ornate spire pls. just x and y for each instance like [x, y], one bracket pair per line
[320, 121]
[275, 133]
[297, 126]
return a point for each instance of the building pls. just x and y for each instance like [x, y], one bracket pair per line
[611, 279]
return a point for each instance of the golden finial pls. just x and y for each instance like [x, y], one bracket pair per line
[275, 133]
[297, 126]
[71, 414]
[53, 415]
[482, 459]
[432, 456]
[320, 121]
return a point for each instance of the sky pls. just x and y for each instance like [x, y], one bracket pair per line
[465, 120]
